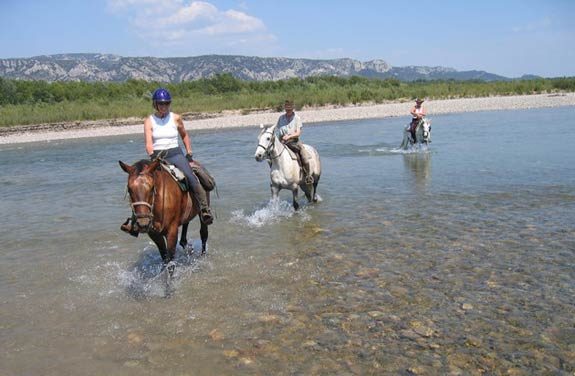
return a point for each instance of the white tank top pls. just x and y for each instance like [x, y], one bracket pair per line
[164, 132]
[418, 111]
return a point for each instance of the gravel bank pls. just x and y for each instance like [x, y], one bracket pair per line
[233, 120]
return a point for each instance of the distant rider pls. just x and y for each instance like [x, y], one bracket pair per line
[161, 131]
[288, 130]
[417, 113]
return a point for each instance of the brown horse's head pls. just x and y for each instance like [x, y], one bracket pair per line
[141, 190]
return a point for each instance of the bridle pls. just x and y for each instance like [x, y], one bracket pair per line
[150, 206]
[268, 149]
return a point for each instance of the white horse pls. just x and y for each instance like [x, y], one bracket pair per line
[285, 171]
[422, 135]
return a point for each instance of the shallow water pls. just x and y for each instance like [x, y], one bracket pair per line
[452, 260]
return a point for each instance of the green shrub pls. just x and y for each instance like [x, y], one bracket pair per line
[30, 102]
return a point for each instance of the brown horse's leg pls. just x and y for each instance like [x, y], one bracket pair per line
[166, 244]
[184, 236]
[204, 236]
[172, 239]
[170, 252]
[160, 242]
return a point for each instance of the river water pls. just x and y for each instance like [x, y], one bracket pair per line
[454, 260]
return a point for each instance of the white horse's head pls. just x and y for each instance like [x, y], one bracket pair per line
[424, 131]
[265, 142]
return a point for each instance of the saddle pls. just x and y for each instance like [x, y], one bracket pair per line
[293, 154]
[206, 179]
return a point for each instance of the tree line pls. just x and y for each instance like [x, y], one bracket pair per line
[30, 102]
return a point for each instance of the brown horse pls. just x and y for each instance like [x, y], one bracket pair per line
[159, 207]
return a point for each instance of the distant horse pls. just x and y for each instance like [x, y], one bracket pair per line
[159, 207]
[422, 134]
[285, 170]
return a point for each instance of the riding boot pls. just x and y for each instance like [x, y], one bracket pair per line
[412, 129]
[202, 198]
[129, 227]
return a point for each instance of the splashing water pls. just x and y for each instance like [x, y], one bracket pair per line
[417, 148]
[273, 212]
[143, 279]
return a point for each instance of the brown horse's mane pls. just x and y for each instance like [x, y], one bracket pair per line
[140, 165]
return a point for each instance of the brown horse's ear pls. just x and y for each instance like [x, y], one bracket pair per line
[129, 169]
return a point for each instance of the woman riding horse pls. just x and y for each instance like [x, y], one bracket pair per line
[160, 206]
[161, 131]
[418, 113]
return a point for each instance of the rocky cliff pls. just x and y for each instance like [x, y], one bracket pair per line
[103, 67]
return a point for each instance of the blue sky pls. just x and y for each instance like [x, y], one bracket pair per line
[506, 37]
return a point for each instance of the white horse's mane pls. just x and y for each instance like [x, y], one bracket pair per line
[267, 127]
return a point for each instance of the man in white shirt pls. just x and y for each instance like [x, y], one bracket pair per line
[288, 130]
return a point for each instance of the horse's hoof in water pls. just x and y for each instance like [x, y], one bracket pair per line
[189, 249]
[171, 267]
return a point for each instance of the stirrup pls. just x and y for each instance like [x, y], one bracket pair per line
[309, 179]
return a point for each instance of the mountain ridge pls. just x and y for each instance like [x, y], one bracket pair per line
[108, 67]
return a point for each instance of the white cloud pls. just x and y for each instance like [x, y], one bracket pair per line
[178, 22]
[195, 12]
[234, 22]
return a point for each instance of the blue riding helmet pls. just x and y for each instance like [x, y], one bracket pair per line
[161, 95]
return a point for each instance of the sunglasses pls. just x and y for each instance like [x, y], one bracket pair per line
[163, 103]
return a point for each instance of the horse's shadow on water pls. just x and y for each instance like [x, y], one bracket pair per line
[149, 278]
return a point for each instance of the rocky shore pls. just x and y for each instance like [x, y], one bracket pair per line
[49, 132]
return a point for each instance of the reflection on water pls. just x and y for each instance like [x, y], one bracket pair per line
[463, 268]
[419, 164]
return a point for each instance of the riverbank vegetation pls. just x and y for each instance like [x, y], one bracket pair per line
[39, 102]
